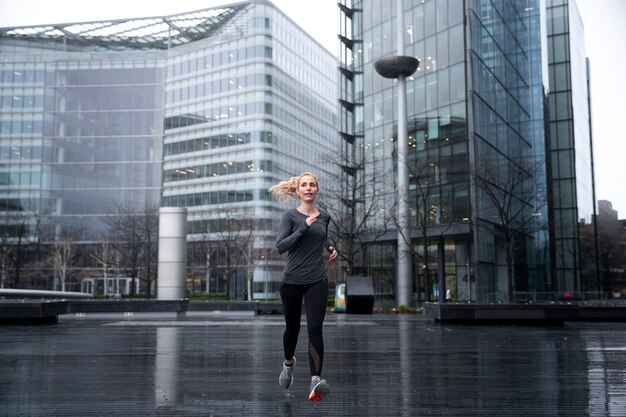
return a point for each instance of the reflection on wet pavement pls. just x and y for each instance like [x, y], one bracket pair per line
[376, 365]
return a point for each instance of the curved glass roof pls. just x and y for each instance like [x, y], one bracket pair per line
[138, 33]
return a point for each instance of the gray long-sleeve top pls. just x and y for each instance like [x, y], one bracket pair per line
[305, 244]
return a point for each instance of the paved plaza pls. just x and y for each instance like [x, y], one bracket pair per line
[377, 365]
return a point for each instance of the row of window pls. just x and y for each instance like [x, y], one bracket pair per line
[216, 141]
[95, 177]
[93, 76]
[104, 201]
[85, 124]
[299, 123]
[215, 170]
[443, 88]
[21, 127]
[212, 198]
[443, 207]
[108, 97]
[22, 76]
[14, 231]
[220, 225]
[293, 92]
[266, 287]
[216, 114]
[19, 152]
[217, 59]
[20, 179]
[21, 101]
[97, 73]
[11, 204]
[218, 86]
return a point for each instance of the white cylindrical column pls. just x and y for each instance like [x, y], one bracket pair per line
[172, 253]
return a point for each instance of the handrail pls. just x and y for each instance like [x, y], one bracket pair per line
[20, 293]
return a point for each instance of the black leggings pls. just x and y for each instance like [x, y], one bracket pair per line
[315, 306]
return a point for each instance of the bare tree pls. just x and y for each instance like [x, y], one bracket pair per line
[430, 219]
[252, 259]
[150, 252]
[64, 258]
[134, 236]
[198, 265]
[21, 234]
[356, 206]
[8, 231]
[226, 244]
[515, 196]
[16, 241]
[6, 257]
[104, 255]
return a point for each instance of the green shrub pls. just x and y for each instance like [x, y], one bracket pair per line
[207, 297]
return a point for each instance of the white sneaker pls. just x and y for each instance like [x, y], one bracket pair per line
[285, 380]
[319, 389]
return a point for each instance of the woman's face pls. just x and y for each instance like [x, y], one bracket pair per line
[307, 188]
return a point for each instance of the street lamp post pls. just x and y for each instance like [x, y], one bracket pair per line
[400, 67]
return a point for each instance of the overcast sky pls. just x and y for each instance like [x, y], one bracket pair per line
[605, 40]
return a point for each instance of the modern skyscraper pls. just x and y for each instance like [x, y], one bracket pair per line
[479, 167]
[571, 173]
[203, 110]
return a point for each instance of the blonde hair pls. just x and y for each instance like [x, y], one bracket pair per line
[288, 188]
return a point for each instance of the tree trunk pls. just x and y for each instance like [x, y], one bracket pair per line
[18, 258]
[227, 286]
[106, 283]
[249, 288]
[427, 284]
[509, 271]
[441, 270]
[148, 280]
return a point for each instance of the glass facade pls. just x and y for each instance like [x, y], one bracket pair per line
[439, 187]
[78, 137]
[477, 136]
[570, 142]
[508, 148]
[244, 111]
[204, 110]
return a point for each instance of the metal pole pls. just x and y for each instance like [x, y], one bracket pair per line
[400, 67]
[404, 238]
[441, 269]
[469, 288]
[404, 289]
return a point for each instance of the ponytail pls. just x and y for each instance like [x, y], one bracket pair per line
[288, 188]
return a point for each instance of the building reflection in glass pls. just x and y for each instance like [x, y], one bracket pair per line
[166, 367]
[606, 377]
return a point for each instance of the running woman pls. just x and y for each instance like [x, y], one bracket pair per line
[303, 233]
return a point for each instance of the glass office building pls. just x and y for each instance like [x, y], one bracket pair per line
[478, 170]
[80, 130]
[571, 178]
[203, 110]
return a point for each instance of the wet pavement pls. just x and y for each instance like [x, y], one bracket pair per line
[388, 365]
